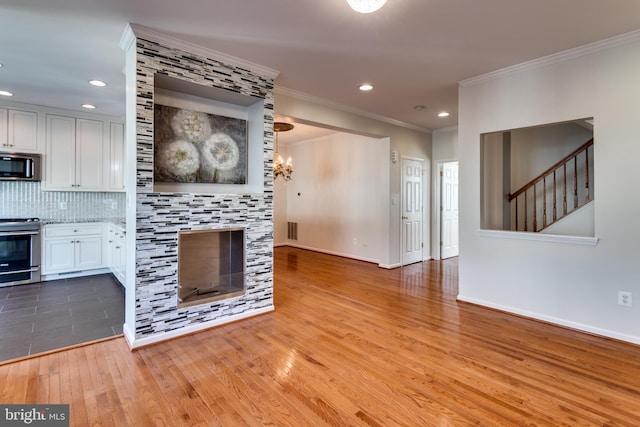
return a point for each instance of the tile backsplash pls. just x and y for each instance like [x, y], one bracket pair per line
[27, 200]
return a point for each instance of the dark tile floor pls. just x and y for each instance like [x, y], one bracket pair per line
[48, 315]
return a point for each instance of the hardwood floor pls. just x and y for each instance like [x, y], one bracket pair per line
[348, 344]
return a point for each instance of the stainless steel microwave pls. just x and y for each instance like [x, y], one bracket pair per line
[20, 167]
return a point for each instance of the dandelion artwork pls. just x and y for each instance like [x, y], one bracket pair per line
[197, 147]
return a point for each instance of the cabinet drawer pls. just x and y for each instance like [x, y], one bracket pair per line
[72, 230]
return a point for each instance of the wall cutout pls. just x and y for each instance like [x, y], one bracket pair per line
[539, 179]
[211, 265]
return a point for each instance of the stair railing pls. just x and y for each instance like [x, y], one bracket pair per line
[572, 170]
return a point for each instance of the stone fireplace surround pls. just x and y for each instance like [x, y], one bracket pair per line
[155, 218]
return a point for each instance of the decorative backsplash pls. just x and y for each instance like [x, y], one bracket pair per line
[27, 200]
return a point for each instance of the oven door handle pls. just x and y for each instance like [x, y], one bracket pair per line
[19, 233]
[30, 270]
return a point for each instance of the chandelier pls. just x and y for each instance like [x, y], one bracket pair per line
[366, 6]
[280, 169]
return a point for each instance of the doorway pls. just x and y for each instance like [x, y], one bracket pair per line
[412, 211]
[449, 210]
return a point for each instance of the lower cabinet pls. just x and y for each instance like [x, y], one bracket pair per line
[83, 249]
[116, 252]
[73, 248]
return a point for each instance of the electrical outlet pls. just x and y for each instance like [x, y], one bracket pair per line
[355, 241]
[624, 298]
[114, 205]
[63, 206]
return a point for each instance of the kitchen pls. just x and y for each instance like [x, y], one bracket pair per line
[62, 233]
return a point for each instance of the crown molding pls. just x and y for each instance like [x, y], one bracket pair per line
[555, 58]
[326, 103]
[134, 31]
[127, 39]
[446, 129]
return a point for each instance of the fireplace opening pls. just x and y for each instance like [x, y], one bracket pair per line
[210, 265]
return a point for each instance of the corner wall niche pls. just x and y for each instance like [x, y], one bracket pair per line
[212, 104]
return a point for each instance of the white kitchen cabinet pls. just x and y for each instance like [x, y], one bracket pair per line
[115, 162]
[72, 248]
[74, 154]
[19, 130]
[116, 252]
[4, 133]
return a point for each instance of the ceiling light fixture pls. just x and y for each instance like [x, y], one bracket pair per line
[419, 107]
[365, 87]
[89, 106]
[98, 83]
[366, 6]
[279, 168]
[443, 114]
[5, 93]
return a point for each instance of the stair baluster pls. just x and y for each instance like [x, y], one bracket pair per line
[521, 194]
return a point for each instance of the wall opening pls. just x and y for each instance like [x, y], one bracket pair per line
[211, 265]
[539, 179]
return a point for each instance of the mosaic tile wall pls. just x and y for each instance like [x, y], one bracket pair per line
[27, 200]
[159, 216]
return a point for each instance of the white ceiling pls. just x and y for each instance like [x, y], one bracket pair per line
[413, 51]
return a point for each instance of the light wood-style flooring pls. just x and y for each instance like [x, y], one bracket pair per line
[349, 344]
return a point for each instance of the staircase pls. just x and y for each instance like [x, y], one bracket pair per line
[555, 193]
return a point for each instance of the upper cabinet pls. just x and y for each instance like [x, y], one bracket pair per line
[19, 130]
[83, 154]
[74, 154]
[81, 151]
[115, 166]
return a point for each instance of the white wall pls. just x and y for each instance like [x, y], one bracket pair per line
[335, 198]
[407, 142]
[572, 285]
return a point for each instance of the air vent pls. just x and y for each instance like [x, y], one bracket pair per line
[292, 230]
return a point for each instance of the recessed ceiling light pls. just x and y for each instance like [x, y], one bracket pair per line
[443, 114]
[98, 83]
[5, 93]
[365, 87]
[89, 106]
[1, 65]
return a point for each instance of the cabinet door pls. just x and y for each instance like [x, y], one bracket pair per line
[89, 154]
[3, 129]
[89, 252]
[60, 149]
[116, 156]
[59, 255]
[22, 130]
[118, 254]
[111, 261]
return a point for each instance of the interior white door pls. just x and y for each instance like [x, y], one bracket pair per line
[412, 244]
[449, 212]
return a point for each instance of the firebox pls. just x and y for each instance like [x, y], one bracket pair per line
[211, 265]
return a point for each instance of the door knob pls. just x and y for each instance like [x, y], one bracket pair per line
[405, 217]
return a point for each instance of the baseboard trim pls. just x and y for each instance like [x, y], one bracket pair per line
[554, 320]
[57, 276]
[340, 254]
[136, 343]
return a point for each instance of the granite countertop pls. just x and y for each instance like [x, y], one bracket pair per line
[118, 221]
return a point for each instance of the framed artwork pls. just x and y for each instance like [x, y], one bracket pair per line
[196, 147]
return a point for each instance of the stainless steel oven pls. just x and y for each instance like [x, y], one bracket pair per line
[19, 251]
